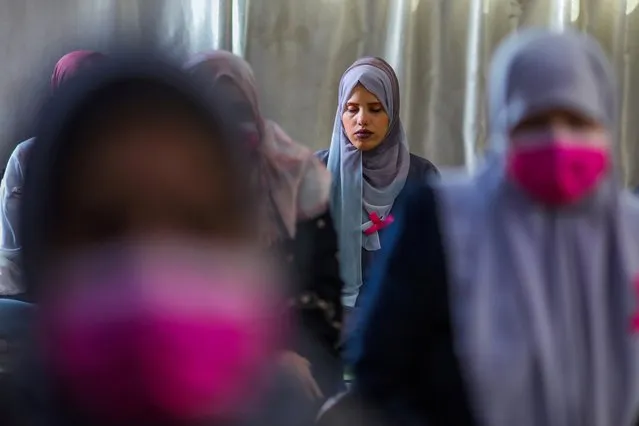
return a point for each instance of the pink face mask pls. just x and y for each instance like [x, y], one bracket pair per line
[556, 173]
[161, 335]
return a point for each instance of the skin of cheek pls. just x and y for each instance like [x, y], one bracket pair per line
[350, 126]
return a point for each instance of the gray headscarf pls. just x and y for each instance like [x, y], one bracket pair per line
[365, 182]
[543, 299]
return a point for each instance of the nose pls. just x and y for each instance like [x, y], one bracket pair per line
[558, 127]
[362, 118]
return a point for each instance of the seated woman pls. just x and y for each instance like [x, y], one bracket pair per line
[13, 180]
[155, 307]
[370, 162]
[510, 297]
[294, 188]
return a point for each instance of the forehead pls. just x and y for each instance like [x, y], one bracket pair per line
[362, 94]
[138, 125]
[146, 151]
[174, 127]
[149, 163]
[371, 78]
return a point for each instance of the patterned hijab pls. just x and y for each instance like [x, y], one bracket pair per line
[70, 63]
[543, 299]
[365, 182]
[295, 184]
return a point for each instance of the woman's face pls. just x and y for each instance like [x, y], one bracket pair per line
[143, 174]
[559, 125]
[364, 119]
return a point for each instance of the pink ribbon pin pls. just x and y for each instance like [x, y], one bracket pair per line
[378, 223]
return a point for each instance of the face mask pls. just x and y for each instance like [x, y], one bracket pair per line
[558, 174]
[158, 334]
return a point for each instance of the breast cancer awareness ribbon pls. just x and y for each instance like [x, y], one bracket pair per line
[378, 223]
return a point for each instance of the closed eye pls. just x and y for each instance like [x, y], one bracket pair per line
[375, 107]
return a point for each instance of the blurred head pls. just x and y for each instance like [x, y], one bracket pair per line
[146, 163]
[72, 63]
[135, 158]
[233, 76]
[369, 103]
[553, 83]
[140, 249]
[552, 106]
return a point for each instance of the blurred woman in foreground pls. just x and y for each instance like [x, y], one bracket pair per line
[296, 222]
[11, 188]
[153, 307]
[510, 298]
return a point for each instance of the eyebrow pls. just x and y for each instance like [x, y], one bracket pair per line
[367, 103]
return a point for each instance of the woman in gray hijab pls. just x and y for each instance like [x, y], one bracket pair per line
[510, 297]
[370, 163]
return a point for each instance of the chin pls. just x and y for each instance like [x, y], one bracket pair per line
[366, 145]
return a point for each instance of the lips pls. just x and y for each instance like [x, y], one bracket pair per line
[363, 134]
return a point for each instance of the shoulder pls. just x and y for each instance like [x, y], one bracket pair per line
[421, 167]
[25, 144]
[315, 189]
[322, 155]
[458, 186]
[459, 200]
[429, 205]
[416, 206]
[21, 151]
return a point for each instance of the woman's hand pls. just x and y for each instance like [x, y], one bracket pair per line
[300, 367]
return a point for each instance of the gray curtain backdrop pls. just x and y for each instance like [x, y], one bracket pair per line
[299, 49]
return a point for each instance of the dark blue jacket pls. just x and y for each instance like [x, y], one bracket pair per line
[403, 355]
[421, 171]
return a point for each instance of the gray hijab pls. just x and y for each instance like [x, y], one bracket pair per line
[543, 299]
[365, 182]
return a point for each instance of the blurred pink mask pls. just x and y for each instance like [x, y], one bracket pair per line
[558, 173]
[157, 333]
